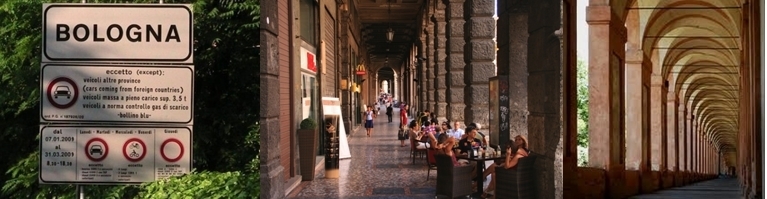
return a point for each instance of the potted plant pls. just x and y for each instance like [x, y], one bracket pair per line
[307, 148]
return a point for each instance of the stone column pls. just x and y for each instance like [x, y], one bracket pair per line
[658, 136]
[637, 150]
[682, 132]
[345, 66]
[544, 65]
[672, 134]
[512, 41]
[440, 54]
[689, 143]
[607, 38]
[455, 63]
[709, 154]
[431, 81]
[694, 147]
[272, 173]
[479, 56]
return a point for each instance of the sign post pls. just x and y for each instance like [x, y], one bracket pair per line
[117, 93]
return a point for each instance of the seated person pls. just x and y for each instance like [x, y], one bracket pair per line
[415, 133]
[456, 130]
[469, 142]
[514, 151]
[428, 128]
[445, 147]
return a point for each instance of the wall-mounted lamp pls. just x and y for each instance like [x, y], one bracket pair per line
[343, 6]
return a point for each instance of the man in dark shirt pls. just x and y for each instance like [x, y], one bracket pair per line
[470, 141]
[389, 112]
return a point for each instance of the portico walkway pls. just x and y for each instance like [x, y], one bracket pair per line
[378, 168]
[717, 188]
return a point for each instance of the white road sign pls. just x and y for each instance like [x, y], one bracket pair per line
[113, 155]
[117, 33]
[118, 94]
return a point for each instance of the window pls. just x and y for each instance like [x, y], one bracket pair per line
[308, 21]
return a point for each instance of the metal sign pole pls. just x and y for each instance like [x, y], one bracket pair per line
[80, 192]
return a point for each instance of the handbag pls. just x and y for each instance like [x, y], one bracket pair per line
[401, 134]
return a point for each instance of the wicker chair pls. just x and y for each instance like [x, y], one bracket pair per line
[452, 181]
[431, 162]
[414, 151]
[518, 182]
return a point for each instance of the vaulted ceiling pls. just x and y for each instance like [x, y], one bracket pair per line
[377, 16]
[697, 44]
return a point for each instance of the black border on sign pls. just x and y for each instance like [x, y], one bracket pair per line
[40, 163]
[42, 93]
[191, 30]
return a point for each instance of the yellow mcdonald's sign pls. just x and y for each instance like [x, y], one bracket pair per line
[360, 70]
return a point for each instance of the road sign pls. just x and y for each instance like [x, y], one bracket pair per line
[117, 33]
[96, 149]
[80, 154]
[118, 94]
[134, 150]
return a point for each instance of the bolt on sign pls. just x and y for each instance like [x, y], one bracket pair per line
[117, 93]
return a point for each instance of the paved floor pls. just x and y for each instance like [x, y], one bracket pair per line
[717, 188]
[378, 168]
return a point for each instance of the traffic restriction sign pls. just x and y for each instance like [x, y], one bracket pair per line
[134, 150]
[62, 92]
[96, 149]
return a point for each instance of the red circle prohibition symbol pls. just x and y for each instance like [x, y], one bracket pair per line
[162, 150]
[90, 149]
[127, 155]
[74, 94]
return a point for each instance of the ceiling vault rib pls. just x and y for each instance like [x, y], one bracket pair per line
[693, 37]
[699, 72]
[702, 65]
[697, 48]
[687, 8]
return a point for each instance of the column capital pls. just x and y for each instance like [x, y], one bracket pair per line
[598, 15]
[603, 15]
[656, 80]
[634, 56]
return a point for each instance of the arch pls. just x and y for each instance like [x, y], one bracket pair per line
[672, 27]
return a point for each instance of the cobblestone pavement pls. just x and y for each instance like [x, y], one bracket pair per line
[717, 188]
[378, 168]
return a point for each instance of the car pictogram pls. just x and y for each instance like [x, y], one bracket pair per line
[96, 149]
[62, 91]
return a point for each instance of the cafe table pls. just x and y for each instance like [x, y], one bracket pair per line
[480, 159]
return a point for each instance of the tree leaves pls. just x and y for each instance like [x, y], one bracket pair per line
[226, 101]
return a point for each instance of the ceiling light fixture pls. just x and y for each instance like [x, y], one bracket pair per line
[389, 32]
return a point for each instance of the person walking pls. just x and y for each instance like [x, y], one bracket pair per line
[389, 112]
[369, 116]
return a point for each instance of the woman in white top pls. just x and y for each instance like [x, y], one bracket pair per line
[369, 116]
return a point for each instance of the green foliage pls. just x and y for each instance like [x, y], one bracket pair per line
[204, 184]
[583, 112]
[226, 103]
[226, 82]
[19, 70]
[308, 123]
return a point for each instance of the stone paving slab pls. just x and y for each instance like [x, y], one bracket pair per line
[378, 168]
[717, 188]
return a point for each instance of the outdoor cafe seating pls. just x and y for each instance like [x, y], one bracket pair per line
[452, 181]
